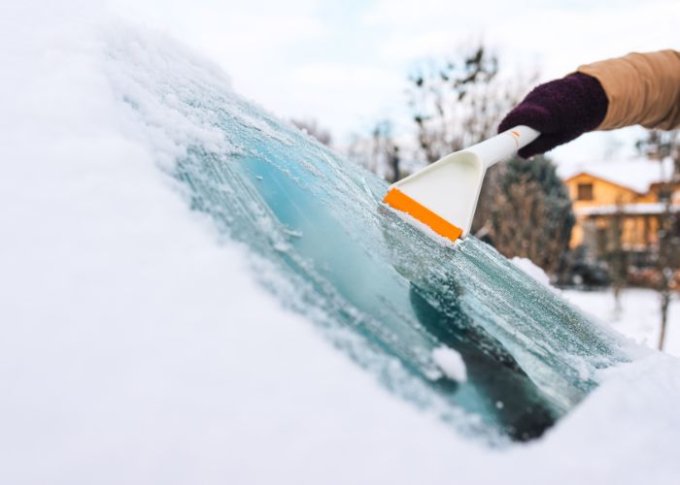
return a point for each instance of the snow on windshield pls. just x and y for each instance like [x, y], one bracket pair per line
[139, 195]
[382, 291]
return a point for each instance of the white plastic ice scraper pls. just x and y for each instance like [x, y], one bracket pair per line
[444, 194]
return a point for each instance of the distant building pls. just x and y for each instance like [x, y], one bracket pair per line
[633, 194]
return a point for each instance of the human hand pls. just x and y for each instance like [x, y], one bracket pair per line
[560, 110]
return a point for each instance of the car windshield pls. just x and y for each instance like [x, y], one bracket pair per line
[380, 289]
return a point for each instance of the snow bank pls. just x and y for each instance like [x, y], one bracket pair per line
[638, 317]
[528, 266]
[136, 347]
[625, 432]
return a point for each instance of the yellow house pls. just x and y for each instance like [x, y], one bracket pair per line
[631, 194]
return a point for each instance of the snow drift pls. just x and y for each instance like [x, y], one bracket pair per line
[138, 194]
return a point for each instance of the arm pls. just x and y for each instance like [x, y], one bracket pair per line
[641, 89]
[634, 89]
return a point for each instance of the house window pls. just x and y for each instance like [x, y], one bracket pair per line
[584, 192]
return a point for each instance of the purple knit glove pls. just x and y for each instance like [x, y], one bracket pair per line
[561, 110]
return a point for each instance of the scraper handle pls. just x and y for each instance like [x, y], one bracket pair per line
[523, 135]
[504, 145]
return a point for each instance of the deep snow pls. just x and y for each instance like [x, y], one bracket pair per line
[137, 347]
[638, 318]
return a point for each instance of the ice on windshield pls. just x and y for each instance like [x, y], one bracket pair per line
[393, 298]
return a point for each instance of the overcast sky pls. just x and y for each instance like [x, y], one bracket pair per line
[345, 62]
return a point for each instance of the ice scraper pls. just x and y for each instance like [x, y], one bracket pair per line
[443, 195]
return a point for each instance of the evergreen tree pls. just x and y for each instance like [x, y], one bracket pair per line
[531, 214]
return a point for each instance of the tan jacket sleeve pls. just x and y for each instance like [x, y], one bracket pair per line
[641, 88]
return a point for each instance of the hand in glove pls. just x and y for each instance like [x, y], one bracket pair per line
[560, 110]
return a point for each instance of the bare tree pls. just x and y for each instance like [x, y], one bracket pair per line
[531, 214]
[615, 254]
[386, 151]
[453, 103]
[380, 153]
[312, 128]
[667, 264]
[660, 146]
[524, 208]
[459, 101]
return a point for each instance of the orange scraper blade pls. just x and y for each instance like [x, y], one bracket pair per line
[398, 200]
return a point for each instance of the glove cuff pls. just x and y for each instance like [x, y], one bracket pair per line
[593, 102]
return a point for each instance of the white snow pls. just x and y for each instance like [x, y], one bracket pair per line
[536, 272]
[638, 317]
[135, 347]
[629, 209]
[451, 363]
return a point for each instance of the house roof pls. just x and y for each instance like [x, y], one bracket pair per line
[645, 208]
[637, 174]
